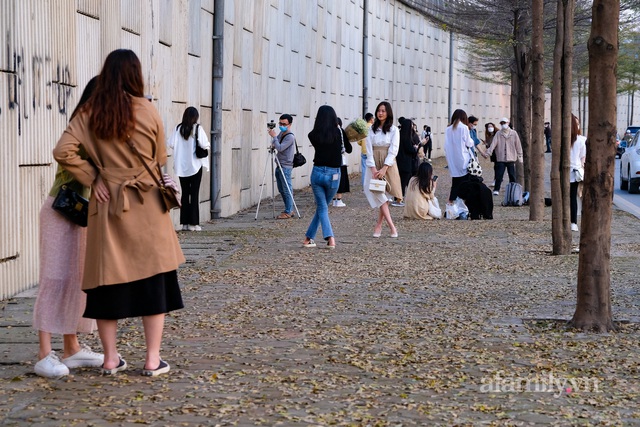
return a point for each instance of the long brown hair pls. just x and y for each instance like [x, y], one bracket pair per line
[575, 129]
[110, 106]
[459, 116]
[386, 126]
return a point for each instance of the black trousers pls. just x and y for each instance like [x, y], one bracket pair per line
[405, 177]
[573, 201]
[455, 185]
[500, 167]
[190, 210]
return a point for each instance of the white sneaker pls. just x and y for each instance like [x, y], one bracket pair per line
[85, 358]
[195, 228]
[574, 227]
[339, 203]
[51, 367]
[496, 193]
[185, 227]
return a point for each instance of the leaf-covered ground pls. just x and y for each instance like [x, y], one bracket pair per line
[453, 323]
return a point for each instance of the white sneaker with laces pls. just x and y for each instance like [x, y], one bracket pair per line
[51, 367]
[339, 203]
[85, 358]
[574, 227]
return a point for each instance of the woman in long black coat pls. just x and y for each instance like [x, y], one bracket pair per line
[407, 154]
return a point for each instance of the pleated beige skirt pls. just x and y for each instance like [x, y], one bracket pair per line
[394, 187]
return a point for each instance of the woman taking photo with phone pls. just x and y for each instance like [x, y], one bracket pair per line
[421, 189]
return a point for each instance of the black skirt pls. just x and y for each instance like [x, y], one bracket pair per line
[146, 297]
[343, 187]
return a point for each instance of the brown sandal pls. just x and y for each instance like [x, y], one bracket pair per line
[284, 215]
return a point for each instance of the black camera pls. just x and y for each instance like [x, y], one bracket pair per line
[271, 125]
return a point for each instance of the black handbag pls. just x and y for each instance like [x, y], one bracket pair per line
[298, 158]
[201, 153]
[72, 206]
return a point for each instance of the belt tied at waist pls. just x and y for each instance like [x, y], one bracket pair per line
[126, 184]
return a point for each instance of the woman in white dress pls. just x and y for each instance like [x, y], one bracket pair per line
[383, 142]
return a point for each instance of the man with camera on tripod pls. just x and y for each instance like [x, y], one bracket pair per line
[284, 143]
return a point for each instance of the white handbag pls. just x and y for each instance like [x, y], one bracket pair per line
[377, 185]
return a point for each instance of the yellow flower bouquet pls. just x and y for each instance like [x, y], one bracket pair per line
[356, 130]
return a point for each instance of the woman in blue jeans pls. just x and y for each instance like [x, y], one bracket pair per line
[327, 139]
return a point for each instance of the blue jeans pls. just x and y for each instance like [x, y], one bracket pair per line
[287, 198]
[324, 184]
[363, 166]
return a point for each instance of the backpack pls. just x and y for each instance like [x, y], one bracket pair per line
[513, 195]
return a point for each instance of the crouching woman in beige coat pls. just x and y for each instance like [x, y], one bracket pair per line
[132, 250]
[420, 191]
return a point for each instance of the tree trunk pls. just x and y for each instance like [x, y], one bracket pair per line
[538, 143]
[584, 104]
[593, 309]
[561, 129]
[522, 123]
[580, 100]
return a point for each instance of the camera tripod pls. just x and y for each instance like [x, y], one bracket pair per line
[271, 158]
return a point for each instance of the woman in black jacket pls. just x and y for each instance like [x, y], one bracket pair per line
[327, 140]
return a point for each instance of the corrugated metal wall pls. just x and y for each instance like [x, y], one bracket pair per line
[49, 50]
[279, 56]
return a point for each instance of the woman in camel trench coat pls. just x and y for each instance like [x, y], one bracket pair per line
[132, 250]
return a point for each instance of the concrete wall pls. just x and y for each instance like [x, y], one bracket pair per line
[279, 56]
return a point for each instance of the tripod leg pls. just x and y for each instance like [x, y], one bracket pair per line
[264, 177]
[288, 189]
[273, 191]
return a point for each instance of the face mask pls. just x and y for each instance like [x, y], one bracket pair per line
[490, 129]
[283, 128]
[472, 127]
[505, 126]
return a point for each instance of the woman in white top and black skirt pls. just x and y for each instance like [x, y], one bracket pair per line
[383, 142]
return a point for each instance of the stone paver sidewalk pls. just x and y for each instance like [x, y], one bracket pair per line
[452, 323]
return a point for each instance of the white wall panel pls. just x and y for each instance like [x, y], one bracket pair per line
[10, 259]
[87, 50]
[90, 7]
